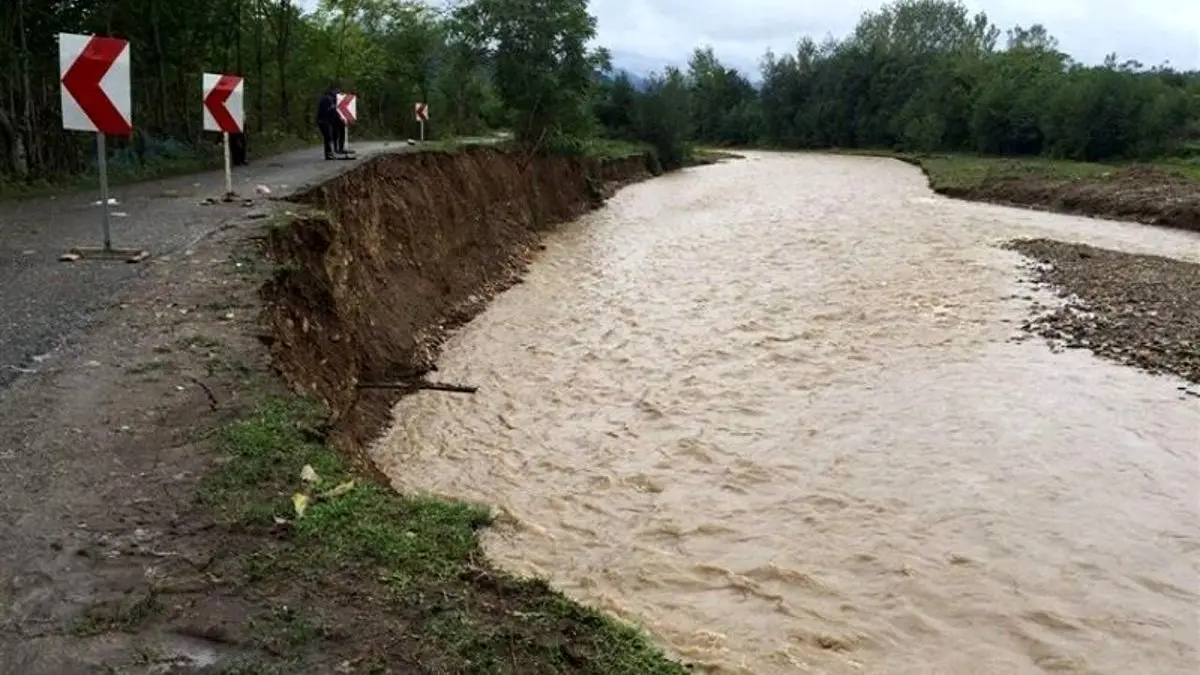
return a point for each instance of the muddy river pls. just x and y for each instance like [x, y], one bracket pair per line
[768, 409]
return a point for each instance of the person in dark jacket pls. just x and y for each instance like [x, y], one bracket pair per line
[326, 112]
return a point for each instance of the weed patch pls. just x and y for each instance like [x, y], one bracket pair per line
[126, 615]
[402, 577]
[156, 365]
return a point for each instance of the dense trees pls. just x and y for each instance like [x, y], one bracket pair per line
[925, 75]
[393, 53]
[919, 75]
[542, 68]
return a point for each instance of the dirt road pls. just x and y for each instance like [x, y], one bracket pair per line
[106, 372]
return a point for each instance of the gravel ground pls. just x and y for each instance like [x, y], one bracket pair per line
[1138, 310]
[44, 303]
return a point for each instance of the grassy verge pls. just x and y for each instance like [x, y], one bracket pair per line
[610, 149]
[395, 581]
[704, 156]
[967, 172]
[194, 162]
[1164, 193]
[951, 172]
[956, 172]
[602, 148]
[151, 169]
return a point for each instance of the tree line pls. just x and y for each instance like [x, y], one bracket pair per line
[919, 75]
[392, 53]
[925, 76]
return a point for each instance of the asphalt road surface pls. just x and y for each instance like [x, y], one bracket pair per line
[44, 302]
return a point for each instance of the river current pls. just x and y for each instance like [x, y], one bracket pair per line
[768, 409]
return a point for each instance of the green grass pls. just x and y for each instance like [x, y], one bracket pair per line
[602, 148]
[455, 143]
[160, 168]
[152, 169]
[452, 144]
[966, 172]
[1189, 168]
[124, 616]
[701, 156]
[424, 590]
[117, 175]
[958, 172]
[154, 365]
[204, 342]
[597, 148]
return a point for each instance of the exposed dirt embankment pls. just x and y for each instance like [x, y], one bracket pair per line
[403, 249]
[1141, 194]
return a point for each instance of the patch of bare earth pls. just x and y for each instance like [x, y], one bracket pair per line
[106, 446]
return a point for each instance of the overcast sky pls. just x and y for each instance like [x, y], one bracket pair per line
[645, 35]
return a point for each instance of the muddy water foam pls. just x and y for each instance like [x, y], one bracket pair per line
[768, 410]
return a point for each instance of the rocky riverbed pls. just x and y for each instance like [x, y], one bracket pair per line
[1139, 310]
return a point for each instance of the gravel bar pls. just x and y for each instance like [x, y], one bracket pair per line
[1138, 310]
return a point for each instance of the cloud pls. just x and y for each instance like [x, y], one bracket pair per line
[740, 31]
[649, 34]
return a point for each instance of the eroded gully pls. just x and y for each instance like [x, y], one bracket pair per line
[768, 409]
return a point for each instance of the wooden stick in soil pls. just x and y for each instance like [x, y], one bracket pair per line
[419, 385]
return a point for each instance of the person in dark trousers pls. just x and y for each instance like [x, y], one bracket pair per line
[326, 112]
[237, 149]
[339, 133]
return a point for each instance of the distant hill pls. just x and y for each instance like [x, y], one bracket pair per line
[639, 68]
[639, 83]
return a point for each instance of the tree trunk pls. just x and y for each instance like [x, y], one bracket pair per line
[161, 59]
[29, 159]
[260, 101]
[283, 31]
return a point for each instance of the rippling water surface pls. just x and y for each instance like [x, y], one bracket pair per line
[767, 409]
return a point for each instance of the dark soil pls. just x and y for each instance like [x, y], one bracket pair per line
[1138, 310]
[400, 252]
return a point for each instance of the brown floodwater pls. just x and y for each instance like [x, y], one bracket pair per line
[768, 410]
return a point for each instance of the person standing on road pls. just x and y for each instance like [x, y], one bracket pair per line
[326, 113]
[339, 130]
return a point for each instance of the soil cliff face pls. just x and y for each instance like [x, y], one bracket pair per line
[400, 251]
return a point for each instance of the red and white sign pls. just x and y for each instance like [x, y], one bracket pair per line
[94, 72]
[224, 107]
[421, 111]
[347, 107]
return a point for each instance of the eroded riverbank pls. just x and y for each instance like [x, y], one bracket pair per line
[170, 550]
[781, 423]
[395, 255]
[179, 512]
